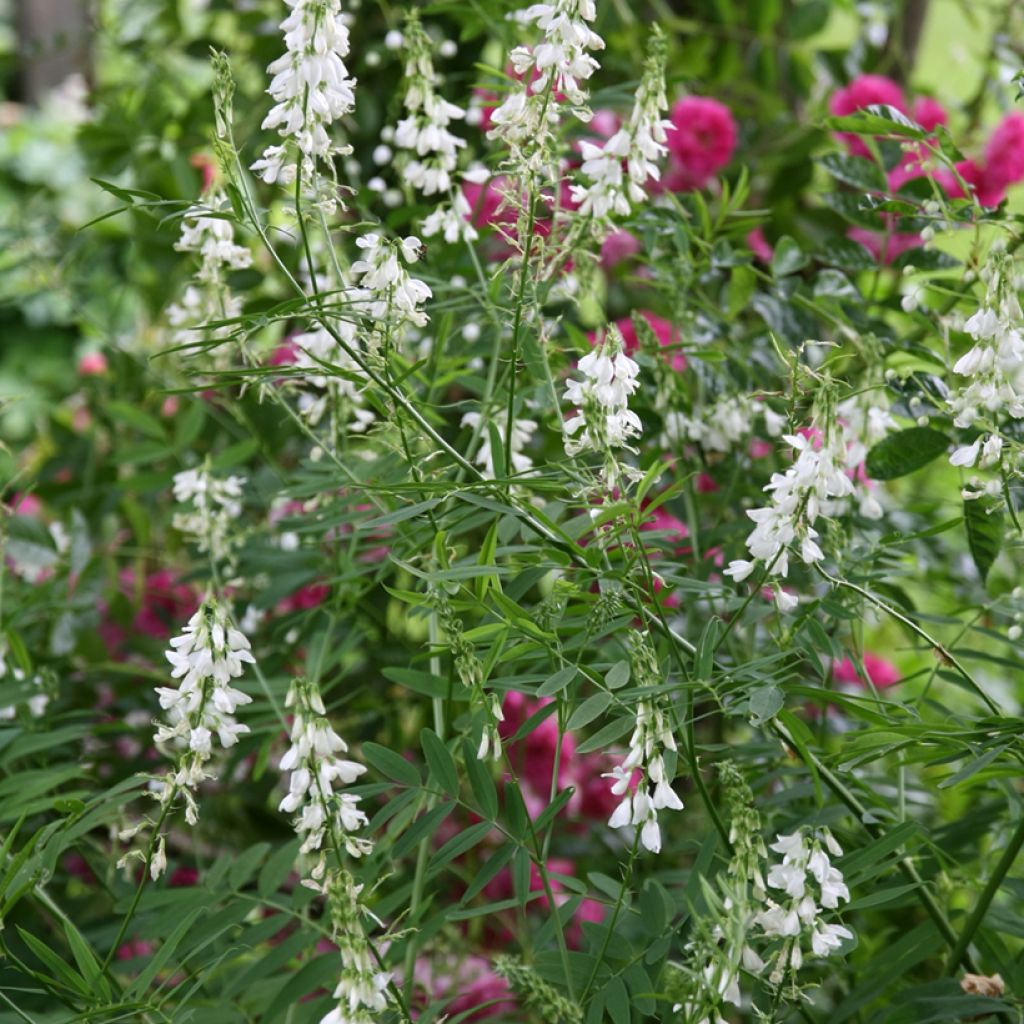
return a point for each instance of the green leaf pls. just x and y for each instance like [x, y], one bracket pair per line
[419, 682]
[391, 765]
[903, 452]
[606, 734]
[589, 710]
[616, 1001]
[557, 682]
[788, 258]
[481, 782]
[704, 659]
[277, 868]
[135, 417]
[984, 522]
[618, 675]
[766, 703]
[856, 171]
[421, 828]
[460, 844]
[440, 762]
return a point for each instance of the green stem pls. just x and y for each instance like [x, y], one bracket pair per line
[987, 895]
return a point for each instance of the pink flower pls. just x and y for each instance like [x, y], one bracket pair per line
[207, 167]
[285, 354]
[865, 91]
[662, 521]
[880, 672]
[701, 144]
[759, 245]
[1004, 154]
[26, 505]
[929, 113]
[884, 247]
[618, 246]
[666, 334]
[533, 757]
[134, 948]
[92, 364]
[987, 190]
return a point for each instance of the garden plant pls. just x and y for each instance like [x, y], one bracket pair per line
[513, 512]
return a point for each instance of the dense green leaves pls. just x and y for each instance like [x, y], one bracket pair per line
[904, 452]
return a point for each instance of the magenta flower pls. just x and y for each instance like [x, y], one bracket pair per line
[880, 672]
[1004, 154]
[701, 144]
[865, 91]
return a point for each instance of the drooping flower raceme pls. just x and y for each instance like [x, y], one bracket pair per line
[361, 991]
[316, 769]
[522, 431]
[817, 475]
[215, 507]
[651, 738]
[311, 89]
[318, 350]
[618, 170]
[423, 133]
[206, 657]
[603, 420]
[207, 231]
[811, 885]
[213, 239]
[387, 292]
[559, 65]
[994, 365]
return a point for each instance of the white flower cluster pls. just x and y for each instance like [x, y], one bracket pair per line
[994, 365]
[207, 230]
[603, 419]
[388, 293]
[424, 132]
[36, 703]
[216, 505]
[812, 884]
[619, 170]
[721, 425]
[206, 657]
[315, 771]
[522, 433]
[341, 395]
[652, 737]
[311, 89]
[558, 65]
[798, 495]
[362, 989]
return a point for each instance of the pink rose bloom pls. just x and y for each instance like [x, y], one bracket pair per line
[26, 505]
[618, 246]
[701, 144]
[1004, 154]
[929, 113]
[880, 672]
[864, 91]
[533, 757]
[92, 364]
[987, 190]
[662, 521]
[759, 245]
